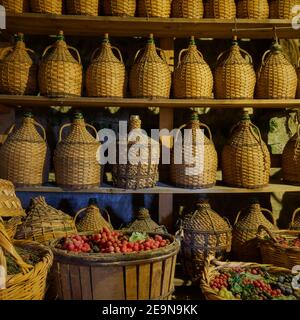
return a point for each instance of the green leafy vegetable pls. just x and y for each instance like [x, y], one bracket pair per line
[138, 236]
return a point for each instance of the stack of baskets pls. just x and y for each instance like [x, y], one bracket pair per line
[282, 9]
[120, 8]
[83, 7]
[295, 222]
[220, 9]
[190, 9]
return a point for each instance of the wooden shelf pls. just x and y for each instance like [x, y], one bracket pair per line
[81, 102]
[32, 23]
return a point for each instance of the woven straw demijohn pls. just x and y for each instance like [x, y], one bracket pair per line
[83, 7]
[14, 6]
[44, 223]
[190, 9]
[60, 74]
[154, 8]
[220, 9]
[282, 9]
[10, 205]
[46, 6]
[234, 75]
[295, 221]
[253, 9]
[298, 75]
[124, 8]
[245, 157]
[106, 74]
[244, 241]
[193, 77]
[141, 168]
[276, 77]
[190, 174]
[23, 154]
[150, 76]
[18, 71]
[204, 232]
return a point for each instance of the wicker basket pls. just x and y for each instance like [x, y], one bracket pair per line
[272, 252]
[220, 9]
[141, 172]
[245, 158]
[195, 172]
[60, 74]
[11, 225]
[253, 9]
[75, 158]
[150, 76]
[298, 75]
[276, 77]
[295, 222]
[10, 205]
[190, 9]
[106, 74]
[121, 8]
[154, 8]
[244, 241]
[44, 223]
[18, 71]
[193, 77]
[204, 232]
[23, 154]
[282, 9]
[83, 7]
[234, 75]
[92, 221]
[45, 6]
[15, 6]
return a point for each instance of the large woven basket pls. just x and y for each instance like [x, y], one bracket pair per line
[154, 8]
[234, 74]
[10, 205]
[253, 9]
[45, 6]
[106, 74]
[295, 221]
[244, 241]
[60, 74]
[83, 7]
[44, 223]
[276, 77]
[245, 158]
[220, 9]
[204, 232]
[23, 154]
[15, 6]
[193, 77]
[282, 9]
[141, 172]
[150, 76]
[120, 8]
[18, 70]
[199, 161]
[298, 75]
[190, 9]
[75, 158]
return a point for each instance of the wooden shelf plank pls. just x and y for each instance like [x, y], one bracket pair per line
[81, 102]
[33, 23]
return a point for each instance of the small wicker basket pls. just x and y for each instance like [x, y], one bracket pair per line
[121, 8]
[189, 9]
[245, 159]
[154, 8]
[192, 78]
[75, 158]
[46, 6]
[150, 76]
[10, 205]
[83, 7]
[276, 77]
[15, 6]
[18, 70]
[220, 9]
[295, 222]
[234, 75]
[60, 74]
[253, 9]
[106, 74]
[282, 9]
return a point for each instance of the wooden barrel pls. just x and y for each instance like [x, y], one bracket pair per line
[145, 275]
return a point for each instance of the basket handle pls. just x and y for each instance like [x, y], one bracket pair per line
[94, 53]
[6, 51]
[237, 217]
[208, 129]
[107, 215]
[257, 132]
[77, 53]
[270, 214]
[137, 54]
[247, 54]
[180, 55]
[84, 209]
[78, 213]
[221, 55]
[263, 60]
[93, 128]
[294, 216]
[162, 53]
[262, 228]
[46, 50]
[69, 124]
[119, 53]
[42, 128]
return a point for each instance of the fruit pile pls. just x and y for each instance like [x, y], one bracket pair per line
[287, 242]
[112, 242]
[253, 284]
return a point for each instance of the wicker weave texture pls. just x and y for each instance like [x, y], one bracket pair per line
[220, 9]
[154, 8]
[124, 8]
[190, 9]
[10, 205]
[45, 6]
[15, 6]
[83, 7]
[282, 9]
[253, 9]
[11, 226]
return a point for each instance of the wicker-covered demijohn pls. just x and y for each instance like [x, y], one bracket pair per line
[193, 77]
[253, 9]
[246, 158]
[18, 69]
[14, 6]
[220, 9]
[44, 223]
[190, 9]
[106, 73]
[282, 9]
[276, 77]
[75, 157]
[195, 165]
[10, 205]
[46, 6]
[234, 74]
[83, 7]
[150, 76]
[154, 8]
[23, 154]
[244, 236]
[120, 8]
[204, 232]
[60, 74]
[140, 168]
[295, 221]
